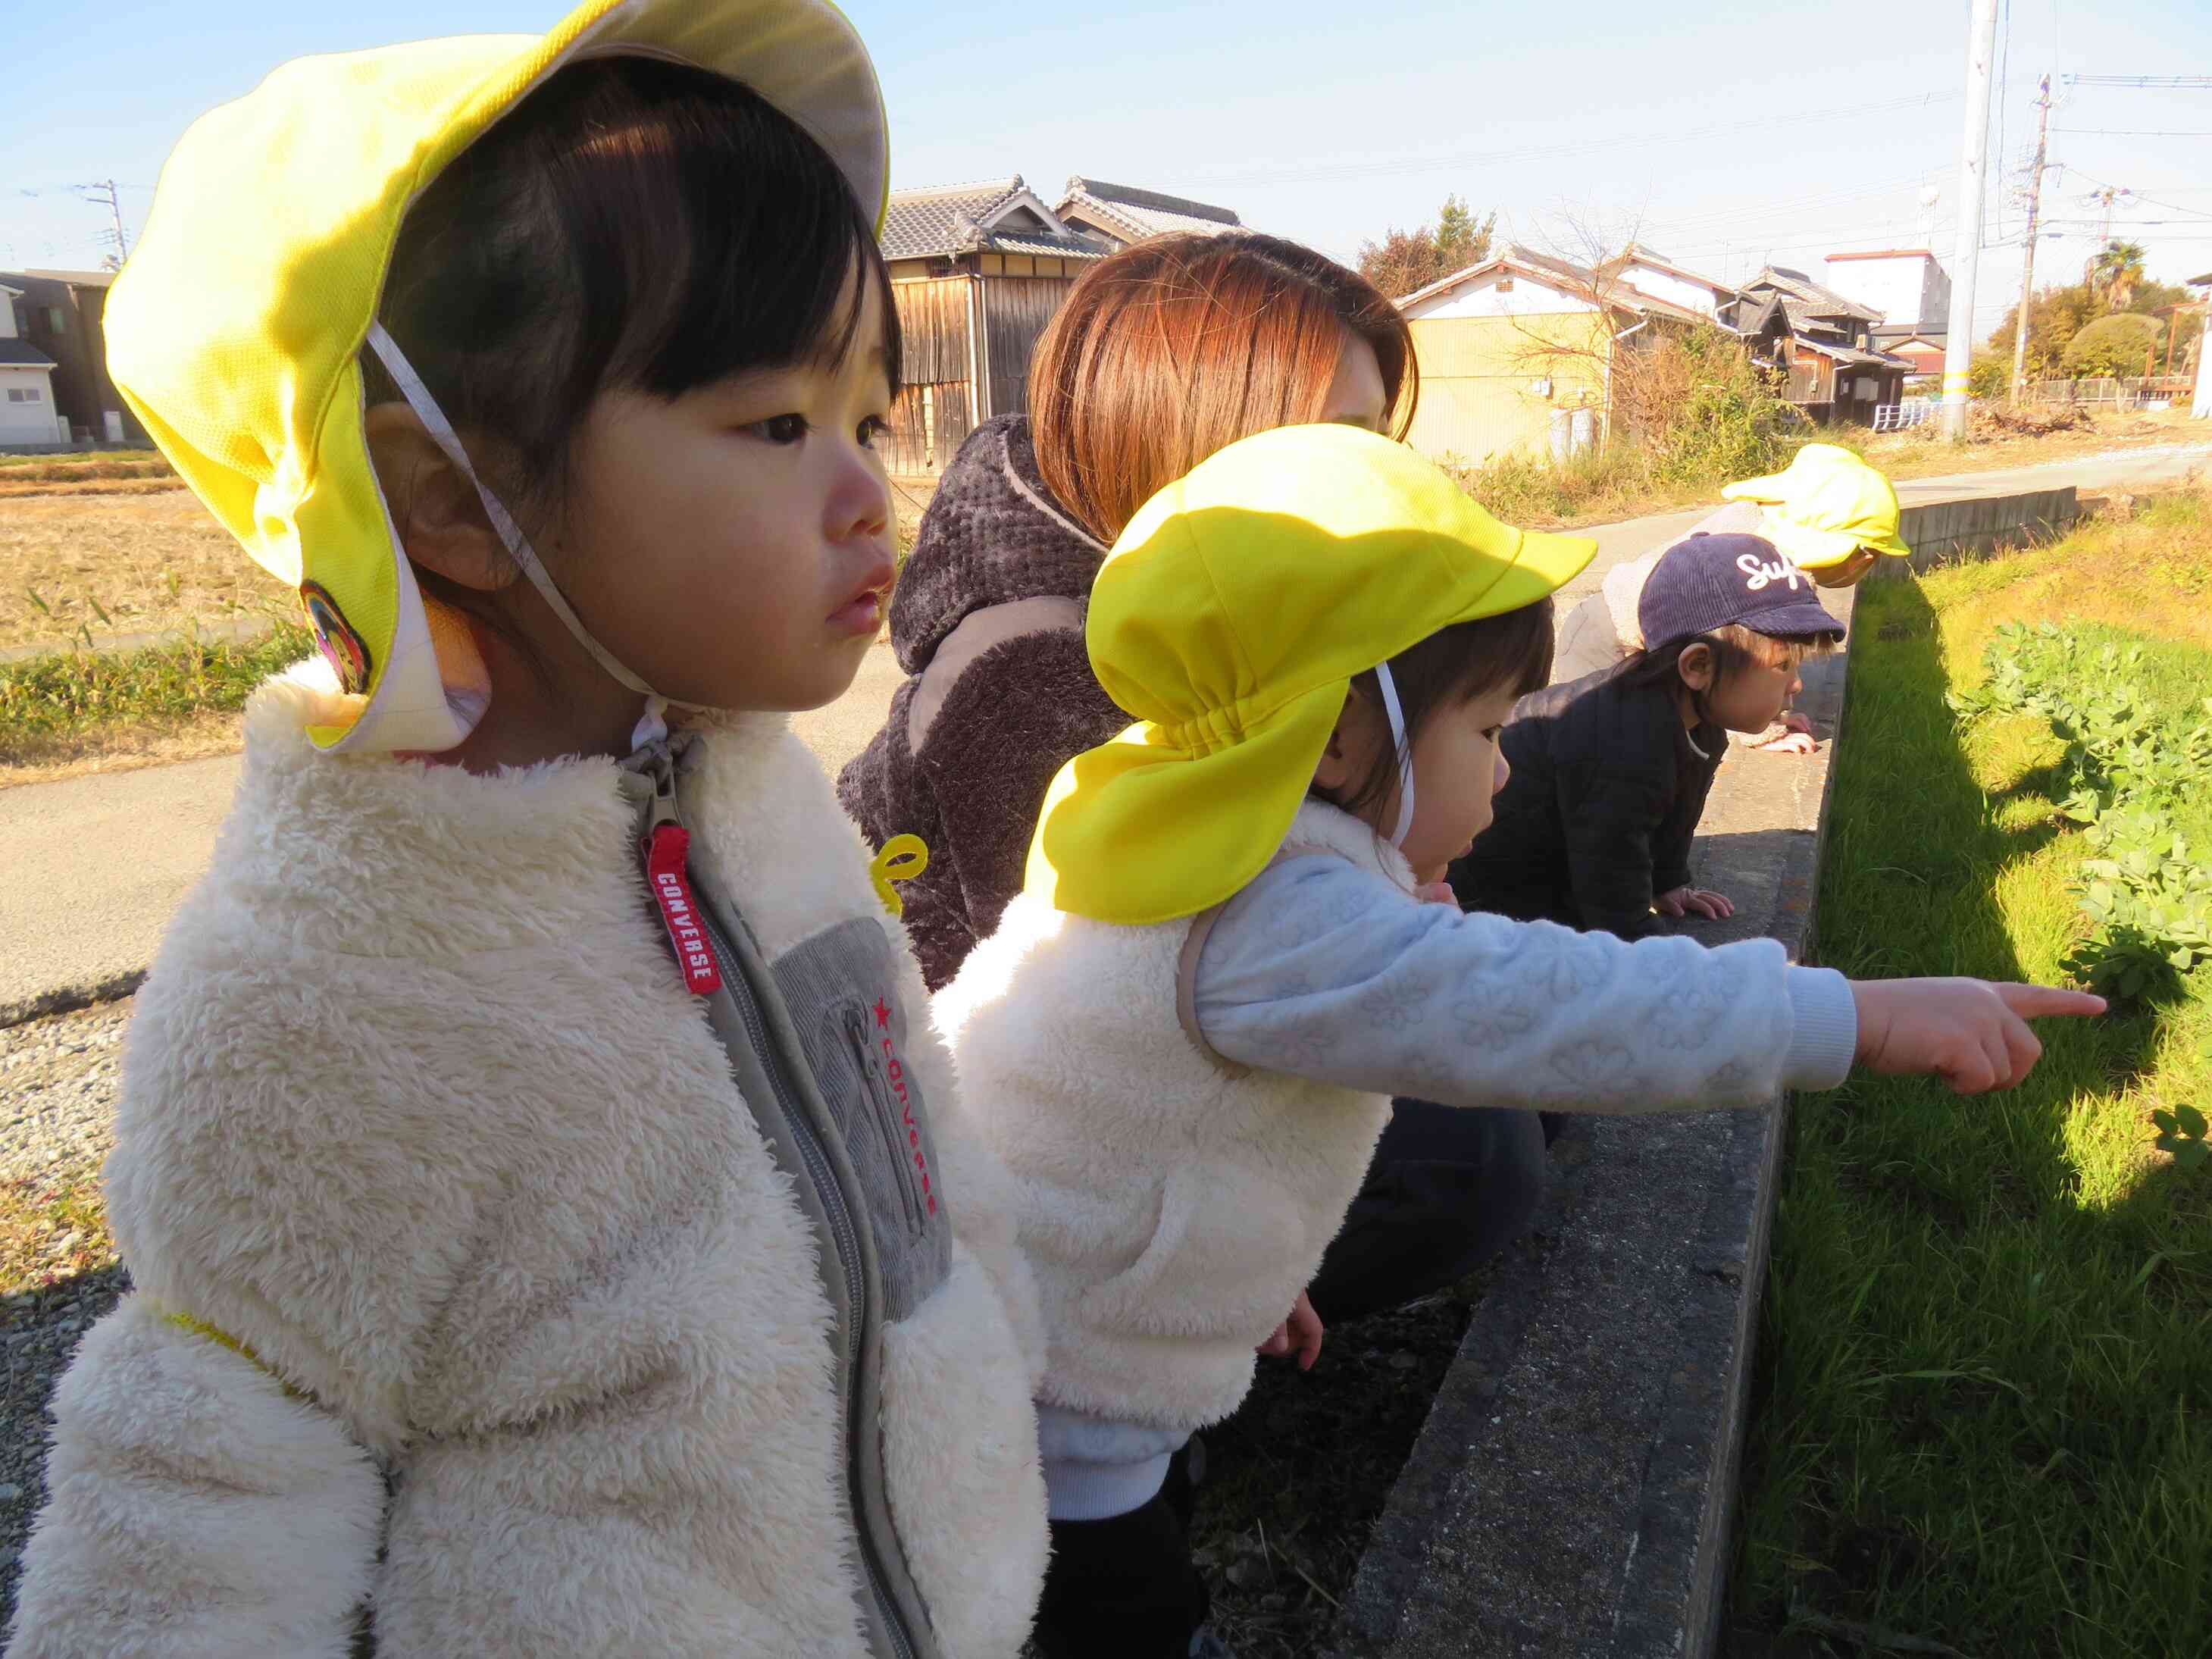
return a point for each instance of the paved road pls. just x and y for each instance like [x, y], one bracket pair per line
[94, 865]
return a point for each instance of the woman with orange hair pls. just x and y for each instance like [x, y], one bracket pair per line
[1165, 353]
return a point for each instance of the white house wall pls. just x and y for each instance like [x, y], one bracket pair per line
[1690, 296]
[1910, 289]
[1484, 297]
[27, 423]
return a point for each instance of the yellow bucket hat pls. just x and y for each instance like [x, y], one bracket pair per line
[235, 332]
[1823, 506]
[1229, 619]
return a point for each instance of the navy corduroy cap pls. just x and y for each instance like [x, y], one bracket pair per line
[1709, 581]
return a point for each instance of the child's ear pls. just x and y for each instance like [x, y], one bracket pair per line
[434, 505]
[1696, 666]
[1333, 774]
[1345, 760]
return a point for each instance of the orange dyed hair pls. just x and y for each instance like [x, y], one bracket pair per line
[1179, 346]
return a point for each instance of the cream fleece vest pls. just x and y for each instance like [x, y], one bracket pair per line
[1170, 1210]
[418, 1109]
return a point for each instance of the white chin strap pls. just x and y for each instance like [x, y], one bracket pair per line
[1405, 752]
[652, 724]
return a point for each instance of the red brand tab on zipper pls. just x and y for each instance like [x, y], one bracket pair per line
[679, 913]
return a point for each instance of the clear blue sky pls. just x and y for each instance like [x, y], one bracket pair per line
[1713, 133]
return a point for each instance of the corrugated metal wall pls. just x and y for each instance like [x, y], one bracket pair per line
[936, 409]
[1015, 311]
[938, 406]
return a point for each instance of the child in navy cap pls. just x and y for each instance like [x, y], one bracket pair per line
[1610, 772]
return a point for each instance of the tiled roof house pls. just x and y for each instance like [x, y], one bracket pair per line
[1121, 215]
[945, 224]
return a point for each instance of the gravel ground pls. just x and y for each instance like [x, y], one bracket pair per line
[57, 1082]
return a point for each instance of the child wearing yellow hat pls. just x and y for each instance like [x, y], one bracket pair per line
[1831, 515]
[1184, 1036]
[544, 1240]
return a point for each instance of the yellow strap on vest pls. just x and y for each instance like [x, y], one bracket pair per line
[185, 1322]
[903, 858]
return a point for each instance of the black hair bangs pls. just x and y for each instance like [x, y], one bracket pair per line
[632, 224]
[712, 236]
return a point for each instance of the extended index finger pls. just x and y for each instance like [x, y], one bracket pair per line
[2047, 1001]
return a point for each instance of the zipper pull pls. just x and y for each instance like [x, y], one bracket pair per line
[667, 875]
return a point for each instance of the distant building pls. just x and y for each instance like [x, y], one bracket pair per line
[58, 315]
[1922, 348]
[977, 270]
[1120, 215]
[1906, 286]
[1517, 353]
[1822, 341]
[1654, 273]
[1910, 289]
[28, 420]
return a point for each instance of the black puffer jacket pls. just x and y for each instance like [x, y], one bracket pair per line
[1598, 815]
[987, 622]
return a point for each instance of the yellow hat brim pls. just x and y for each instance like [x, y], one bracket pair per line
[1807, 548]
[1768, 487]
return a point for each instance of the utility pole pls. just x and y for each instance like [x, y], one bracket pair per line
[2027, 259]
[1959, 339]
[2107, 196]
[104, 190]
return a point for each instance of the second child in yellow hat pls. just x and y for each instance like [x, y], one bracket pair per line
[1183, 1039]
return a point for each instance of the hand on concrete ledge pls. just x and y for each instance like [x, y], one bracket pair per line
[1694, 902]
[1970, 1032]
[1792, 735]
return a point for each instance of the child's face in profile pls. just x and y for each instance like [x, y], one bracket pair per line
[1750, 697]
[1457, 773]
[734, 547]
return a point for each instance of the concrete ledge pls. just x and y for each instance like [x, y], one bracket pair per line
[1939, 532]
[1573, 1491]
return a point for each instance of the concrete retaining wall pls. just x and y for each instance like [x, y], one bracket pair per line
[1939, 532]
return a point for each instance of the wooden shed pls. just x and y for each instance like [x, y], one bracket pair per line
[977, 270]
[1823, 342]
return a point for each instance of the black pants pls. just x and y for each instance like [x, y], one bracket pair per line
[1125, 1588]
[1448, 1189]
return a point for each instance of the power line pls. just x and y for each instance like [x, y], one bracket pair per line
[2175, 81]
[2141, 132]
[1404, 164]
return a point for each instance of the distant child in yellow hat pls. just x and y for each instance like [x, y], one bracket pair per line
[1831, 514]
[1184, 1036]
[542, 1244]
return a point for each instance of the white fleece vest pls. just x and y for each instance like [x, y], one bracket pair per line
[1170, 1211]
[418, 1108]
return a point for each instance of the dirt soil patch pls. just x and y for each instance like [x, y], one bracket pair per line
[87, 569]
[1297, 1479]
